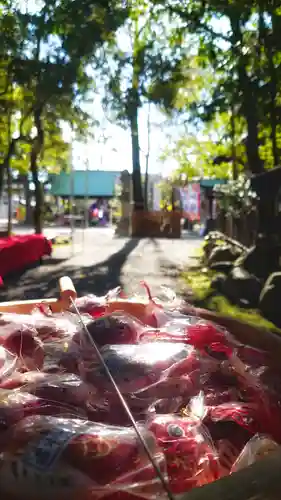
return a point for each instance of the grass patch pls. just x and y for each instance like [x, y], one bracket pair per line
[59, 241]
[198, 253]
[251, 316]
[199, 282]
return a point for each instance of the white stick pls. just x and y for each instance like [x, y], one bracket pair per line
[71, 198]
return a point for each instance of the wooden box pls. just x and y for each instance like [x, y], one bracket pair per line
[156, 224]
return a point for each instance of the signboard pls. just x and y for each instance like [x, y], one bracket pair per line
[190, 201]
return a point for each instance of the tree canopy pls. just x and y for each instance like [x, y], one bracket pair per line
[239, 46]
[44, 79]
[214, 65]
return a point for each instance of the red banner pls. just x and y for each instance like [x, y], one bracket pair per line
[190, 201]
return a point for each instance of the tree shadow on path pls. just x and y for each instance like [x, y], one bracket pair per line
[43, 281]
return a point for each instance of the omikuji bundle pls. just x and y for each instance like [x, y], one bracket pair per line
[205, 405]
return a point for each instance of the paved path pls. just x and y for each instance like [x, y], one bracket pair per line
[99, 261]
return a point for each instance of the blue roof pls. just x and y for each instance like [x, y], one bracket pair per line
[212, 182]
[95, 183]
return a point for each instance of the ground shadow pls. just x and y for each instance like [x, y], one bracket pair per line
[43, 282]
[13, 277]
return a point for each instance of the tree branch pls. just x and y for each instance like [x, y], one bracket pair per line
[200, 25]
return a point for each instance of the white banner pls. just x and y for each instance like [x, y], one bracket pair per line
[156, 198]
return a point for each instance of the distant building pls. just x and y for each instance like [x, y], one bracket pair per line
[84, 184]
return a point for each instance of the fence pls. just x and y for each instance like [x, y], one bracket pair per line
[243, 228]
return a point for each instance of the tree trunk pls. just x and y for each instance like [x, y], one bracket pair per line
[10, 200]
[147, 161]
[137, 182]
[6, 162]
[273, 114]
[9, 176]
[266, 41]
[2, 174]
[28, 208]
[233, 142]
[37, 147]
[249, 99]
[251, 115]
[133, 109]
[146, 185]
[39, 198]
[273, 95]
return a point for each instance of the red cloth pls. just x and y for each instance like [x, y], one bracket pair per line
[18, 252]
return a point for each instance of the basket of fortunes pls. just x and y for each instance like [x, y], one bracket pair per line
[136, 398]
